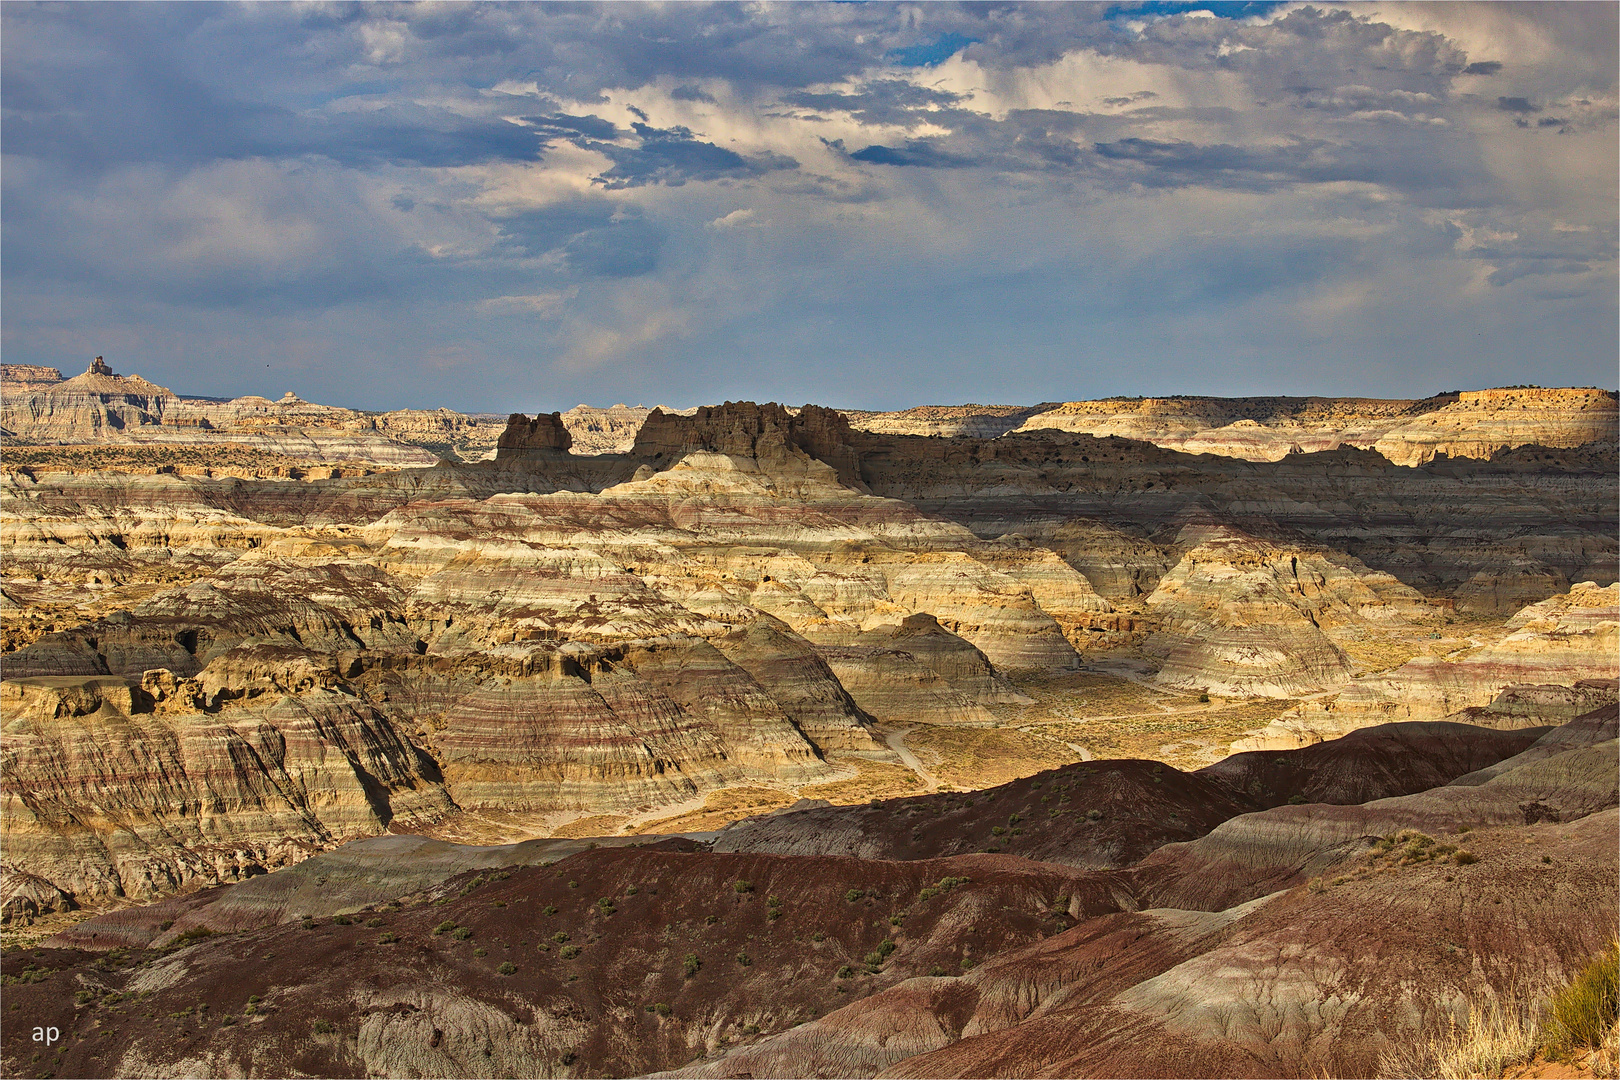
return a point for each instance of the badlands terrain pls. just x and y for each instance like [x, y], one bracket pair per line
[1139, 737]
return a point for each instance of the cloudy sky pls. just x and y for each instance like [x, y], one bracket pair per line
[869, 205]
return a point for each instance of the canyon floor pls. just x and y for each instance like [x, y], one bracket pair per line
[1159, 737]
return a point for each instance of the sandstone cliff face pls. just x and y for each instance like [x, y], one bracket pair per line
[763, 433]
[19, 378]
[1559, 642]
[522, 435]
[1481, 422]
[1243, 617]
[108, 795]
[95, 404]
[1474, 424]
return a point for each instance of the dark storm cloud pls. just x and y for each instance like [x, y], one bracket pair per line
[1483, 67]
[575, 127]
[880, 101]
[1516, 104]
[674, 156]
[918, 152]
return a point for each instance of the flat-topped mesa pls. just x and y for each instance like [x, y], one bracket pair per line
[1583, 398]
[745, 429]
[523, 436]
[18, 378]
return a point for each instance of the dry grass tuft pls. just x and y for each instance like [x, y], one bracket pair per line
[1583, 1014]
[1496, 1036]
[1578, 1022]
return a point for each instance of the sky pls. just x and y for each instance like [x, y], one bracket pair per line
[496, 208]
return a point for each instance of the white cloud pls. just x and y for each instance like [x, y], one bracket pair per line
[737, 219]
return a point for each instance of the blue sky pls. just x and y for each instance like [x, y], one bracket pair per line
[499, 207]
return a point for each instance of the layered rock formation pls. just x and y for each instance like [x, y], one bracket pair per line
[1482, 422]
[88, 406]
[1475, 424]
[114, 791]
[1244, 617]
[20, 378]
[745, 592]
[1560, 654]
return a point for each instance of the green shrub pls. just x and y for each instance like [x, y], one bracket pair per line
[690, 964]
[662, 1009]
[1584, 1012]
[549, 909]
[742, 886]
[573, 884]
[604, 907]
[1094, 815]
[853, 895]
[744, 959]
[936, 971]
[374, 923]
[560, 937]
[444, 927]
[227, 1021]
[710, 920]
[846, 972]
[1296, 800]
[750, 1029]
[462, 933]
[1464, 857]
[818, 936]
[387, 937]
[997, 830]
[507, 968]
[480, 952]
[322, 1027]
[631, 891]
[343, 920]
[307, 924]
[1203, 699]
[568, 952]
[877, 956]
